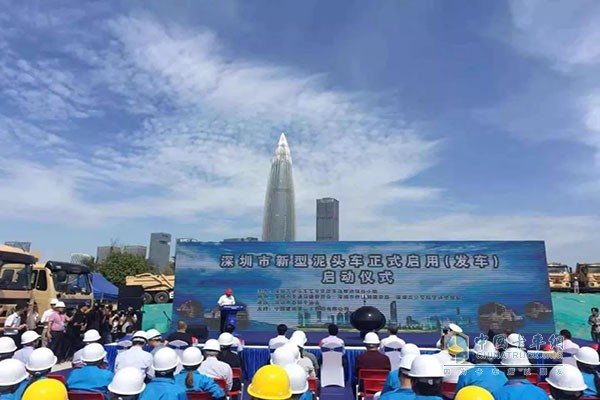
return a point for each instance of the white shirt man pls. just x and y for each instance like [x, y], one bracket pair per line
[214, 368]
[237, 346]
[136, 356]
[13, 324]
[332, 338]
[226, 300]
[392, 338]
[280, 339]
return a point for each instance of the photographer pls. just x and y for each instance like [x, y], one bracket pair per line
[129, 318]
[594, 323]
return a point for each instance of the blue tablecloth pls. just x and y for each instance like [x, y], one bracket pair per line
[255, 357]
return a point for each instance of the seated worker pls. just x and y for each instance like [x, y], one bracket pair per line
[163, 385]
[192, 380]
[91, 377]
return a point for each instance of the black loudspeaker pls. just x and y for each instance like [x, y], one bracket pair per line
[131, 291]
[198, 331]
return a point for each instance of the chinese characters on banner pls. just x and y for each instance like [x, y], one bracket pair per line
[366, 269]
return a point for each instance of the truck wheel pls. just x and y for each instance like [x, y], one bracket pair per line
[147, 298]
[161, 297]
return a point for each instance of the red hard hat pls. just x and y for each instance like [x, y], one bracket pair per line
[228, 292]
[547, 347]
[595, 346]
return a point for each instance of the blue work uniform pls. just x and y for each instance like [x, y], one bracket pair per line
[202, 383]
[519, 389]
[17, 394]
[588, 378]
[163, 389]
[90, 378]
[422, 397]
[484, 375]
[392, 382]
[306, 396]
[399, 394]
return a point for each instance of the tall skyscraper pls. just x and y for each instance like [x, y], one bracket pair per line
[139, 251]
[328, 219]
[279, 223]
[102, 252]
[160, 250]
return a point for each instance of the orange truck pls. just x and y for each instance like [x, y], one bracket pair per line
[560, 277]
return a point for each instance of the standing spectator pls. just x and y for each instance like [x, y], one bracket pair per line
[44, 321]
[93, 318]
[56, 331]
[129, 318]
[74, 328]
[575, 285]
[115, 325]
[32, 316]
[181, 334]
[14, 324]
[594, 323]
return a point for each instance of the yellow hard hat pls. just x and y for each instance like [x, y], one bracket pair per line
[270, 382]
[471, 393]
[455, 349]
[47, 389]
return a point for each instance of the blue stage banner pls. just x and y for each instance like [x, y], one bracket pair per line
[419, 286]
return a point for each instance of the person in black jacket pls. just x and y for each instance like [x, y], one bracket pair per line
[229, 357]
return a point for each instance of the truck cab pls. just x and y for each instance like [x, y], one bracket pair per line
[559, 277]
[588, 276]
[24, 280]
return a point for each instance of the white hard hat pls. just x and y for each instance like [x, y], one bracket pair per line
[165, 359]
[53, 302]
[29, 337]
[226, 339]
[60, 304]
[566, 377]
[298, 378]
[406, 361]
[284, 356]
[12, 372]
[371, 338]
[153, 334]
[516, 340]
[587, 355]
[139, 335]
[212, 345]
[91, 335]
[7, 345]
[292, 348]
[127, 381]
[93, 352]
[410, 348]
[191, 356]
[514, 357]
[426, 366]
[485, 349]
[41, 359]
[455, 328]
[443, 356]
[298, 338]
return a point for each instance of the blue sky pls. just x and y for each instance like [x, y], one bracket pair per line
[426, 119]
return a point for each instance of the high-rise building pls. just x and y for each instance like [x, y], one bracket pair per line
[328, 219]
[79, 258]
[25, 246]
[160, 250]
[139, 251]
[102, 252]
[279, 222]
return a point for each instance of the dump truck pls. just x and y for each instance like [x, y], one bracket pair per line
[158, 288]
[588, 276]
[560, 277]
[23, 279]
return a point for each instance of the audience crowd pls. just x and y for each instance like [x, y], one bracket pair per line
[152, 367]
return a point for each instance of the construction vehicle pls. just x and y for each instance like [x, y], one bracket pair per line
[560, 277]
[588, 276]
[158, 288]
[24, 280]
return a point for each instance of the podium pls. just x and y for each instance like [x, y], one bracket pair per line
[228, 314]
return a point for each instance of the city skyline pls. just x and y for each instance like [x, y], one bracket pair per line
[279, 221]
[123, 118]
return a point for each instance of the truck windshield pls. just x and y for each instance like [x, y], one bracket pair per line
[557, 270]
[72, 283]
[593, 269]
[15, 276]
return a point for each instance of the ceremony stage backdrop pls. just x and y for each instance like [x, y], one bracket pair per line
[419, 286]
